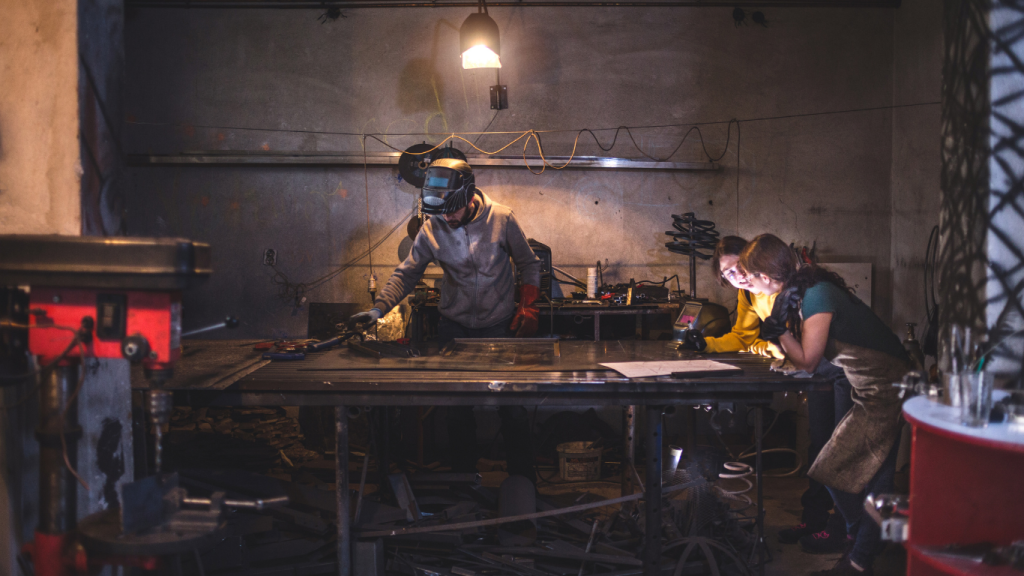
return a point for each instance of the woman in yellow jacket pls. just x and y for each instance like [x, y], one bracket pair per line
[751, 307]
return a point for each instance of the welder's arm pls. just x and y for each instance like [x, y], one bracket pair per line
[405, 277]
[522, 255]
[806, 353]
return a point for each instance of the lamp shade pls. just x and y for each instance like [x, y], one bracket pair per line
[479, 42]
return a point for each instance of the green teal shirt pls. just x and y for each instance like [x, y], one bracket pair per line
[853, 321]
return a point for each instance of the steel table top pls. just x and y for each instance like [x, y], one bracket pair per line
[475, 374]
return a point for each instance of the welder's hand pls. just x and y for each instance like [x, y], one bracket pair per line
[774, 325]
[527, 317]
[364, 319]
[694, 340]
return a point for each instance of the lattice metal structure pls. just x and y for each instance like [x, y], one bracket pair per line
[981, 277]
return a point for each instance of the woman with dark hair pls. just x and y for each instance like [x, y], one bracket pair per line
[751, 307]
[817, 316]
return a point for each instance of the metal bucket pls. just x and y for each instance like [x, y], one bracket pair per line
[579, 461]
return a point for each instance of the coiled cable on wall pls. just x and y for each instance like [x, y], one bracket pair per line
[692, 237]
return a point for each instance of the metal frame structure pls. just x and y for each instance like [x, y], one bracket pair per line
[288, 384]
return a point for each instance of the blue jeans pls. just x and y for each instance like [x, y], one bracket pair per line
[867, 534]
[515, 421]
[825, 408]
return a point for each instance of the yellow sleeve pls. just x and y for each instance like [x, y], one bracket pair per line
[744, 332]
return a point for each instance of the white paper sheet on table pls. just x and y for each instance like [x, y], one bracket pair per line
[666, 367]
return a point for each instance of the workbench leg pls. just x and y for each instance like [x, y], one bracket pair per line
[758, 437]
[341, 480]
[652, 532]
[629, 441]
[597, 327]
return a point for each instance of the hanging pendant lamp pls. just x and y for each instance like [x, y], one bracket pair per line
[479, 41]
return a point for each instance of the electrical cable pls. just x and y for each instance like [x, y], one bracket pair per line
[291, 290]
[41, 369]
[554, 131]
[366, 183]
[64, 413]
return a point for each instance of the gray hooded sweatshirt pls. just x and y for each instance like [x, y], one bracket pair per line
[478, 287]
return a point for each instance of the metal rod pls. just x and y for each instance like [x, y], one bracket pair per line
[245, 157]
[629, 441]
[341, 484]
[758, 437]
[520, 518]
[362, 486]
[471, 4]
[58, 491]
[652, 532]
[260, 504]
[590, 542]
[693, 261]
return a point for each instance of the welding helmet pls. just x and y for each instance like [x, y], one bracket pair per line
[447, 186]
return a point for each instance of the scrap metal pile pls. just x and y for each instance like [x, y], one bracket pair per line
[447, 524]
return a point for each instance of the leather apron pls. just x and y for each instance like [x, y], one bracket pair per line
[863, 438]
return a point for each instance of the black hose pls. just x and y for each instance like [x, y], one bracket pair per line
[692, 236]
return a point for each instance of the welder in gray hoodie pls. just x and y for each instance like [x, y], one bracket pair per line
[475, 241]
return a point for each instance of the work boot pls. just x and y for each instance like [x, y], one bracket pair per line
[844, 568]
[794, 534]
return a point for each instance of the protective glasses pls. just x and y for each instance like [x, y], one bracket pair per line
[735, 274]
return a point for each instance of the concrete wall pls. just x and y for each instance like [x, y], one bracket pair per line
[813, 92]
[916, 158]
[39, 170]
[39, 184]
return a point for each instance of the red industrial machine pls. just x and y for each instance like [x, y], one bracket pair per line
[965, 514]
[89, 298]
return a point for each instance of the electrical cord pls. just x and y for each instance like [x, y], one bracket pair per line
[534, 136]
[296, 291]
[64, 413]
[75, 341]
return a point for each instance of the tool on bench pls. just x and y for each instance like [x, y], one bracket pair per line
[284, 356]
[229, 322]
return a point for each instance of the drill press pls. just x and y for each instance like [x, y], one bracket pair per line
[92, 298]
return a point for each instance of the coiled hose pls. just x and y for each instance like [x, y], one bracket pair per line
[692, 237]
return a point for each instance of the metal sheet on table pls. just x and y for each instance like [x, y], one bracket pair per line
[574, 356]
[209, 364]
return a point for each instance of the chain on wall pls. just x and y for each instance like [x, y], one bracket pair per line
[981, 276]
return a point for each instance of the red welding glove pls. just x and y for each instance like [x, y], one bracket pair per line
[527, 316]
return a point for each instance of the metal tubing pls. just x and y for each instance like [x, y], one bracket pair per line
[629, 434]
[341, 479]
[161, 403]
[535, 515]
[758, 437]
[58, 492]
[652, 532]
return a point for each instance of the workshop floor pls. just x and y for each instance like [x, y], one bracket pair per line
[782, 508]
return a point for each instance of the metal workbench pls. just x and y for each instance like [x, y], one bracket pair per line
[222, 373]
